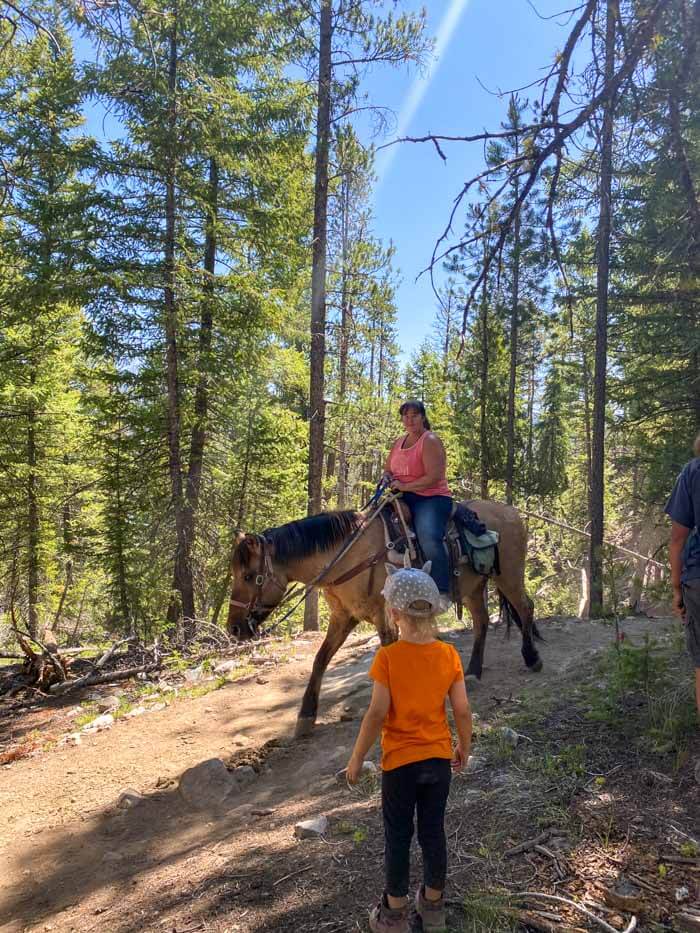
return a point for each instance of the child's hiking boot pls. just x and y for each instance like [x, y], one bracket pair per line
[385, 919]
[432, 913]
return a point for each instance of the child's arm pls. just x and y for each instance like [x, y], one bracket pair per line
[369, 730]
[463, 723]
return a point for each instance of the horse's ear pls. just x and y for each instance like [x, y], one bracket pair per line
[237, 539]
[390, 569]
[252, 542]
[427, 566]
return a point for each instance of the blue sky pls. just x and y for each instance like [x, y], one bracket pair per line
[502, 43]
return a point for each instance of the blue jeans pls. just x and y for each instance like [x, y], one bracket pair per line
[430, 516]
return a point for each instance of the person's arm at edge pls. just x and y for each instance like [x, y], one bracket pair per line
[370, 728]
[463, 723]
[679, 535]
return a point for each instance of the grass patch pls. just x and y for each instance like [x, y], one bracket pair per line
[147, 690]
[244, 671]
[486, 913]
[568, 761]
[671, 719]
[89, 714]
[639, 696]
[496, 745]
[201, 690]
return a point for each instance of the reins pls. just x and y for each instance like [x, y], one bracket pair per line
[378, 501]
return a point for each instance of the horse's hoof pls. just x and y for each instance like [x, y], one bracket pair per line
[536, 667]
[471, 679]
[304, 727]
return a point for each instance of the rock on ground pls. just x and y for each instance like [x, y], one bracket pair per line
[311, 829]
[209, 783]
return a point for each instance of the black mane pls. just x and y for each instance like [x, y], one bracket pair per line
[311, 535]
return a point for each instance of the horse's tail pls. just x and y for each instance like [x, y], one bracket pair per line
[510, 614]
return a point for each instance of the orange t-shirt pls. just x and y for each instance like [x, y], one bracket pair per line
[419, 678]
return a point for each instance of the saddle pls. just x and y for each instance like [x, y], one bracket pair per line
[469, 542]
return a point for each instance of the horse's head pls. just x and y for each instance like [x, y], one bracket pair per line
[258, 586]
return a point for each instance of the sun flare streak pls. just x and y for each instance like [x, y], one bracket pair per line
[421, 83]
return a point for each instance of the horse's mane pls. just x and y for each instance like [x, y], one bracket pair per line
[311, 535]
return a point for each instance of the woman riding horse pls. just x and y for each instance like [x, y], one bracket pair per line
[416, 466]
[263, 565]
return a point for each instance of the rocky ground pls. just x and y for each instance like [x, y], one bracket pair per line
[581, 787]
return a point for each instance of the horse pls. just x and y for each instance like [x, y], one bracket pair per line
[264, 565]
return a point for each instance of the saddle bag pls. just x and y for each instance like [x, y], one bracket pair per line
[479, 551]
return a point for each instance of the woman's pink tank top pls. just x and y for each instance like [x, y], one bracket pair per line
[407, 466]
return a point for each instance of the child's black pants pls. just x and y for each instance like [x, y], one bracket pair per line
[422, 786]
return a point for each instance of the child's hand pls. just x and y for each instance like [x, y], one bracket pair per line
[353, 770]
[459, 759]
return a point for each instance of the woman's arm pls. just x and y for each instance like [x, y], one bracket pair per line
[369, 730]
[435, 463]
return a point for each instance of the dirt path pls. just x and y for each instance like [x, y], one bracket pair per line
[72, 861]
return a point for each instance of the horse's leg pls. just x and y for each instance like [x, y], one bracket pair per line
[339, 627]
[523, 606]
[480, 618]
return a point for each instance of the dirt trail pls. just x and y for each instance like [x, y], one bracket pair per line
[71, 861]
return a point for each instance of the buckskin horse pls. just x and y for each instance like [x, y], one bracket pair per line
[264, 565]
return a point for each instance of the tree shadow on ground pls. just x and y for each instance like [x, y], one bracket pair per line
[154, 855]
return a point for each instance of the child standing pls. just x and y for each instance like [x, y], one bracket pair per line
[412, 680]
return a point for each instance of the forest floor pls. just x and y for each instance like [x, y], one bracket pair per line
[602, 782]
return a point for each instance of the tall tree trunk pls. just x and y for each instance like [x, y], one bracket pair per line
[32, 520]
[343, 346]
[182, 577]
[201, 399]
[514, 320]
[483, 393]
[597, 509]
[586, 382]
[124, 608]
[318, 287]
[246, 470]
[530, 470]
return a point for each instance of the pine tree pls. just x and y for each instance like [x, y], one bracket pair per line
[44, 238]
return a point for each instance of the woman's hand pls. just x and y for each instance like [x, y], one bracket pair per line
[397, 485]
[353, 770]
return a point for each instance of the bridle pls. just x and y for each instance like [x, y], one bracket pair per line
[265, 575]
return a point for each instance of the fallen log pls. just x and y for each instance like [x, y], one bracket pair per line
[556, 899]
[528, 844]
[91, 680]
[537, 922]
